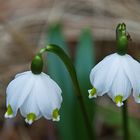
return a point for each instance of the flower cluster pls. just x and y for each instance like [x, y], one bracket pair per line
[36, 95]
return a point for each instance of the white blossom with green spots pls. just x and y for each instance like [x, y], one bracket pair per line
[35, 95]
[118, 76]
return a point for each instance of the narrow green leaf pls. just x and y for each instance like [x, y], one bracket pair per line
[58, 72]
[84, 61]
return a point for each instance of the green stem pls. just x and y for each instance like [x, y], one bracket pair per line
[69, 65]
[125, 122]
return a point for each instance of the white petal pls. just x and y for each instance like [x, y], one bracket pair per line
[137, 99]
[101, 64]
[23, 73]
[103, 74]
[48, 96]
[30, 104]
[18, 90]
[132, 69]
[120, 86]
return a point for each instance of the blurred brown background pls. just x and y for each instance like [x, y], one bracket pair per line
[23, 27]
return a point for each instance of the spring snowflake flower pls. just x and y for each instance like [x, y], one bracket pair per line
[118, 75]
[35, 95]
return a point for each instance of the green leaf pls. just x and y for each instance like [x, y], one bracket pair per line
[58, 72]
[84, 62]
[112, 116]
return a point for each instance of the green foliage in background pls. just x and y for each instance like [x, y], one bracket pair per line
[58, 72]
[84, 62]
[111, 116]
[72, 124]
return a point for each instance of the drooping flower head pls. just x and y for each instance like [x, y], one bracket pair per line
[118, 74]
[34, 93]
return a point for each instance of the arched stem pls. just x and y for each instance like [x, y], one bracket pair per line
[70, 67]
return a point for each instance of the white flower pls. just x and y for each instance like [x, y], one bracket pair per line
[36, 95]
[118, 76]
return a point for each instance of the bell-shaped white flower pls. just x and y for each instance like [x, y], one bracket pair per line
[35, 95]
[118, 76]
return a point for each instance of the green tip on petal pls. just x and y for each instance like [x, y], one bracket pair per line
[30, 118]
[9, 112]
[92, 93]
[137, 98]
[55, 115]
[118, 100]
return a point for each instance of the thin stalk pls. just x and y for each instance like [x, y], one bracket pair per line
[125, 122]
[69, 65]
